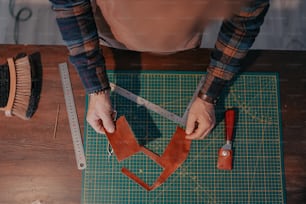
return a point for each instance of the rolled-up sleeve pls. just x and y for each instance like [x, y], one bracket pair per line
[236, 36]
[78, 29]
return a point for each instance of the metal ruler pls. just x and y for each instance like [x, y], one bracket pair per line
[157, 109]
[147, 104]
[73, 119]
[202, 80]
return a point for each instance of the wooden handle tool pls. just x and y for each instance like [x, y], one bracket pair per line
[225, 154]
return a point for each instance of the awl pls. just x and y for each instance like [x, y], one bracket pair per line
[225, 154]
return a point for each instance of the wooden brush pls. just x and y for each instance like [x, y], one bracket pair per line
[25, 80]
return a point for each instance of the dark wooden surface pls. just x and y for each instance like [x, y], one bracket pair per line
[36, 166]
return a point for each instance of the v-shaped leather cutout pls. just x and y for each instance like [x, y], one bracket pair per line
[125, 145]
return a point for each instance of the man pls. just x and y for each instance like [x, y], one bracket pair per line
[161, 27]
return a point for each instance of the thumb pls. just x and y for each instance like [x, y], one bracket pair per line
[108, 123]
[190, 125]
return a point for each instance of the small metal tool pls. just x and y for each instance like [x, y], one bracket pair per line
[109, 148]
[110, 151]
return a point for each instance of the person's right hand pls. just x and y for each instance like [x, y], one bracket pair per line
[201, 119]
[100, 113]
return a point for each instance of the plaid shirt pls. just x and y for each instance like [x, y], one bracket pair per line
[236, 36]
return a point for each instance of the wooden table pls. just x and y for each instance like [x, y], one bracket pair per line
[35, 165]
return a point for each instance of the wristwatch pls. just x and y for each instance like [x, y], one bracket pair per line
[207, 98]
[101, 91]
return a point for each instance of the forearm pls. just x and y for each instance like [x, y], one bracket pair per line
[77, 26]
[236, 36]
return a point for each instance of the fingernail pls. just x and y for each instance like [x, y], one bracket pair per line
[111, 130]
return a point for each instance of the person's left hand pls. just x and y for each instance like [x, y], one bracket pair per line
[201, 119]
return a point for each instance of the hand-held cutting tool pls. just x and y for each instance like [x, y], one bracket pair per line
[225, 154]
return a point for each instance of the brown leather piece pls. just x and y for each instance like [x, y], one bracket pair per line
[122, 140]
[225, 159]
[125, 144]
[172, 158]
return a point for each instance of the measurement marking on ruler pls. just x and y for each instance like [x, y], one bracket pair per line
[147, 104]
[73, 119]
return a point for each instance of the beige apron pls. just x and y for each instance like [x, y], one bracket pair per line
[159, 26]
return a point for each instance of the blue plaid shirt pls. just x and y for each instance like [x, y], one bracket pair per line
[237, 34]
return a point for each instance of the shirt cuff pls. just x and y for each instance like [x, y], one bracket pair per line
[212, 88]
[92, 71]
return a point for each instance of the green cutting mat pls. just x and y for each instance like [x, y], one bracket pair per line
[258, 173]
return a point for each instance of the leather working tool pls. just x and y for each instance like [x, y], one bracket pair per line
[225, 154]
[72, 116]
[124, 145]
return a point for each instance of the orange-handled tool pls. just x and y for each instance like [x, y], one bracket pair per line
[225, 154]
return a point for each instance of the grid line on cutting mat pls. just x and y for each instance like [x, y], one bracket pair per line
[258, 173]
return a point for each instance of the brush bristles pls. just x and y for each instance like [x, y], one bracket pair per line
[23, 87]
